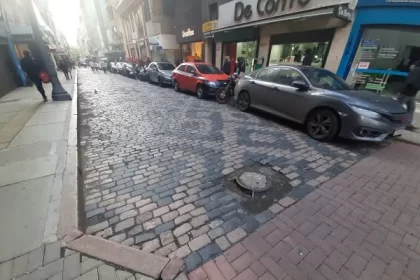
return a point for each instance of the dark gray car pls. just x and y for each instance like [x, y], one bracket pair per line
[160, 73]
[321, 101]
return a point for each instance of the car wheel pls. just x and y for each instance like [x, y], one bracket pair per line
[160, 82]
[176, 86]
[244, 101]
[200, 92]
[322, 125]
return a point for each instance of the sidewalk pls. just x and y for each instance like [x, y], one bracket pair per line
[33, 140]
[363, 224]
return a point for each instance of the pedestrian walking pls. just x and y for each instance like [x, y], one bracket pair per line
[32, 70]
[409, 91]
[226, 66]
[64, 66]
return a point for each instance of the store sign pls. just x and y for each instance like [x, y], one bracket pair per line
[187, 33]
[265, 7]
[210, 26]
[378, 3]
[344, 13]
[244, 11]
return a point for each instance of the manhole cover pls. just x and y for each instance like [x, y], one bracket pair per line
[253, 181]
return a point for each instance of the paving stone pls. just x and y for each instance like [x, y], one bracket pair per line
[164, 227]
[128, 214]
[35, 260]
[144, 237]
[160, 211]
[166, 237]
[215, 233]
[123, 275]
[135, 230]
[170, 216]
[118, 238]
[172, 269]
[107, 272]
[199, 221]
[185, 209]
[192, 261]
[45, 272]
[181, 252]
[52, 252]
[147, 208]
[71, 267]
[124, 225]
[223, 243]
[123, 209]
[200, 231]
[144, 218]
[199, 242]
[216, 223]
[198, 211]
[236, 235]
[151, 246]
[183, 239]
[143, 202]
[166, 250]
[19, 266]
[176, 204]
[91, 275]
[152, 223]
[89, 264]
[182, 219]
[209, 252]
[182, 229]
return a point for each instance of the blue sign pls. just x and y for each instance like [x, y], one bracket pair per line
[387, 3]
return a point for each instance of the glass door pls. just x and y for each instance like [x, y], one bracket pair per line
[312, 54]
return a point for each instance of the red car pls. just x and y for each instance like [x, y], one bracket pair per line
[201, 78]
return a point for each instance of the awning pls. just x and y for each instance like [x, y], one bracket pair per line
[342, 13]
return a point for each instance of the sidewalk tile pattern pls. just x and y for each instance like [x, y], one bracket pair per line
[51, 262]
[153, 161]
[362, 224]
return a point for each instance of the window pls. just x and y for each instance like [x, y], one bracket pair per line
[166, 66]
[207, 69]
[146, 10]
[287, 76]
[267, 74]
[190, 69]
[182, 68]
[214, 12]
[325, 79]
[153, 66]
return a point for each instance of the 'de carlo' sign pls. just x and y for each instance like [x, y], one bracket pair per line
[265, 7]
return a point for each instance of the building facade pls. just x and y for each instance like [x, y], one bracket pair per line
[382, 45]
[267, 32]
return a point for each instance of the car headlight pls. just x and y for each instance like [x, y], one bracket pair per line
[211, 84]
[366, 113]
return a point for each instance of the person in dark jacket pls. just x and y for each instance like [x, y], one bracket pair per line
[32, 70]
[409, 91]
[65, 67]
[226, 66]
[307, 61]
[241, 65]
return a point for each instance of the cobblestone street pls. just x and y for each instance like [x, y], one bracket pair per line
[154, 162]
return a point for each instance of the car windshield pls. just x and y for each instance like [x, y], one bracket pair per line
[207, 69]
[165, 66]
[324, 79]
[129, 67]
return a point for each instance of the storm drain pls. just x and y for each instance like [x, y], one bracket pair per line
[257, 187]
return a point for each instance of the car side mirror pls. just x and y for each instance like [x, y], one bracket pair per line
[301, 85]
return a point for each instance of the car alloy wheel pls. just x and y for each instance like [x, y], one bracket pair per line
[200, 92]
[244, 101]
[176, 86]
[322, 125]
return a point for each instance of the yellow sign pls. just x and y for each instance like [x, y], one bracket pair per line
[210, 26]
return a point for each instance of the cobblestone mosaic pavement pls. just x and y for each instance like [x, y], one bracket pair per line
[153, 161]
[55, 263]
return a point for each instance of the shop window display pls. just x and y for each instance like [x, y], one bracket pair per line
[383, 58]
[313, 54]
[192, 52]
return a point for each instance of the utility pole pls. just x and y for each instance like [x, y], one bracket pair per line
[58, 92]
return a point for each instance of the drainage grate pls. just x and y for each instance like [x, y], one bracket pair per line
[257, 187]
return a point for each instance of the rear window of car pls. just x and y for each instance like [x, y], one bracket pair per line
[165, 66]
[182, 68]
[207, 69]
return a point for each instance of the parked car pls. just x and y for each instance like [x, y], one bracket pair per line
[201, 78]
[113, 67]
[160, 73]
[322, 101]
[128, 70]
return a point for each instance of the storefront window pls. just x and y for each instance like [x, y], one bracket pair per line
[315, 53]
[383, 58]
[192, 51]
[241, 50]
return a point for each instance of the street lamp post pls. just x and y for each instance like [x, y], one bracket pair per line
[58, 92]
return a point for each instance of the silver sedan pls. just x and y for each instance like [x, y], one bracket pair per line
[321, 101]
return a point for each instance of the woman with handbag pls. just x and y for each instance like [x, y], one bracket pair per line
[33, 71]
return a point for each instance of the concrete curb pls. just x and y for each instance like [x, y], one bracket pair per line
[71, 230]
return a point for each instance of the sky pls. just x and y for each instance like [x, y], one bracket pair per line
[66, 18]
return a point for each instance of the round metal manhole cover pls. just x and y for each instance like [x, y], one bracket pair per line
[253, 181]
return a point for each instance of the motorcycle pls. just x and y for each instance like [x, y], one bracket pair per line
[225, 94]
